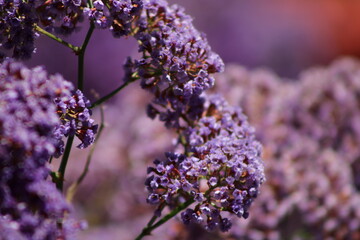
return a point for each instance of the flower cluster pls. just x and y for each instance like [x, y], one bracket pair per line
[18, 20]
[176, 60]
[74, 114]
[222, 170]
[16, 27]
[116, 15]
[28, 202]
[60, 16]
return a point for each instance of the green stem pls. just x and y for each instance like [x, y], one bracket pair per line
[153, 219]
[72, 189]
[107, 4]
[110, 95]
[81, 57]
[149, 228]
[90, 4]
[63, 163]
[81, 54]
[52, 36]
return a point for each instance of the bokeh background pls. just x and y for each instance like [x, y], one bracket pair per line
[313, 183]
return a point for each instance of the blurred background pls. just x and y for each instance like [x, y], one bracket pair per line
[286, 36]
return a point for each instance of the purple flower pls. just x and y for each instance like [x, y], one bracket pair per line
[177, 61]
[16, 27]
[75, 120]
[207, 173]
[60, 16]
[116, 15]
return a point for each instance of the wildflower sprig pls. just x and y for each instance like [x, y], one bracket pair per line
[222, 171]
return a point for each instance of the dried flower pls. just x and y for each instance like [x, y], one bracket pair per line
[177, 59]
[222, 170]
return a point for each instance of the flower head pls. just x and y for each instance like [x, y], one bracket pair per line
[60, 16]
[177, 60]
[75, 120]
[116, 15]
[17, 20]
[222, 170]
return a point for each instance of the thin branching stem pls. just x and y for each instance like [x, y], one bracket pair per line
[90, 4]
[52, 36]
[72, 189]
[81, 56]
[111, 94]
[149, 228]
[80, 84]
[64, 160]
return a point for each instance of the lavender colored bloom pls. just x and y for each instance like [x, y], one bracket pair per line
[177, 60]
[209, 173]
[75, 120]
[16, 27]
[30, 204]
[116, 15]
[60, 16]
[18, 20]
